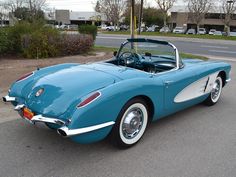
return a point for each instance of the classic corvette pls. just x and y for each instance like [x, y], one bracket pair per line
[144, 81]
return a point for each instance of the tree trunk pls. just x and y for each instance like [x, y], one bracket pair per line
[165, 21]
[228, 30]
[198, 26]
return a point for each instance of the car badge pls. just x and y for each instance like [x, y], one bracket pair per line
[39, 92]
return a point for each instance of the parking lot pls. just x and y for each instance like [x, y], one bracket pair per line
[199, 141]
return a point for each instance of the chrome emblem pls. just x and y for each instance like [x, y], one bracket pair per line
[39, 92]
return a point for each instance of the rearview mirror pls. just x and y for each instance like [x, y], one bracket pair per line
[114, 53]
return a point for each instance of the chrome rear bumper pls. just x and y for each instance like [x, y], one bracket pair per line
[66, 132]
[40, 118]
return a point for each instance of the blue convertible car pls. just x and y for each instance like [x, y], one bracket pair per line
[144, 81]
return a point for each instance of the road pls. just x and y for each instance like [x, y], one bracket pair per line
[199, 141]
[219, 48]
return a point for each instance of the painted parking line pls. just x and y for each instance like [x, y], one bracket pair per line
[223, 51]
[216, 47]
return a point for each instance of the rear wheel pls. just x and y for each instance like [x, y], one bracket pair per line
[215, 92]
[131, 123]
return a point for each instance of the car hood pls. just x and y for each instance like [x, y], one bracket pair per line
[67, 87]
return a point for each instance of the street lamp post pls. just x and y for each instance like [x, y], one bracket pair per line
[140, 17]
[132, 18]
[228, 15]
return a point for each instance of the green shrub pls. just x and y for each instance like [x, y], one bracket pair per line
[88, 29]
[74, 44]
[35, 40]
[16, 33]
[41, 44]
[4, 41]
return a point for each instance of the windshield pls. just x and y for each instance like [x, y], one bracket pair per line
[149, 51]
[148, 55]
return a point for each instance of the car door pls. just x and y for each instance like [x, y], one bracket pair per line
[174, 84]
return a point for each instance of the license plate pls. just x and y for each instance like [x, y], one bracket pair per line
[28, 114]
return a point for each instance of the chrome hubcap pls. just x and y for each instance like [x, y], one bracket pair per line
[132, 123]
[216, 90]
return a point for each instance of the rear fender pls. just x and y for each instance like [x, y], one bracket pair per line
[107, 107]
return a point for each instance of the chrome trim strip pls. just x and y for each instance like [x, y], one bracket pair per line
[7, 98]
[40, 118]
[65, 131]
[19, 107]
[228, 80]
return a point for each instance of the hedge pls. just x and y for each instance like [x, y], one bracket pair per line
[88, 29]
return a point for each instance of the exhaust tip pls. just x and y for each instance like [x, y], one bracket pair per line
[4, 99]
[62, 132]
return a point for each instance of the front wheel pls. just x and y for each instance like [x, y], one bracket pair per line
[215, 92]
[131, 123]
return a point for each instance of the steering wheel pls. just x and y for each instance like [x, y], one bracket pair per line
[129, 58]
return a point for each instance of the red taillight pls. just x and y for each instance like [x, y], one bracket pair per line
[25, 76]
[89, 99]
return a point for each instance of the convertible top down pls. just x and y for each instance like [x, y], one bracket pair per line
[145, 81]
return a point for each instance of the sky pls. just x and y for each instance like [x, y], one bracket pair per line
[85, 5]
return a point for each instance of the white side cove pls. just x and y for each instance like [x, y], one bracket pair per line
[196, 89]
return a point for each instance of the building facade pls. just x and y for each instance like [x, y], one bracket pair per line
[68, 17]
[212, 20]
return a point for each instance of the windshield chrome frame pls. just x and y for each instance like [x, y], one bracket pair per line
[177, 57]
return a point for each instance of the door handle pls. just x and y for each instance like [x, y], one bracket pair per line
[168, 82]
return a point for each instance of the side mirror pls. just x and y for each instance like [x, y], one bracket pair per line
[115, 53]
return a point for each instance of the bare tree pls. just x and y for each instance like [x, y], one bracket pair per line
[165, 6]
[228, 8]
[12, 5]
[112, 9]
[35, 4]
[198, 9]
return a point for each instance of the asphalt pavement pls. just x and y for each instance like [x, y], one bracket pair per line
[218, 48]
[197, 142]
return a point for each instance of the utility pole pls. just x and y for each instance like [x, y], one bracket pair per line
[30, 4]
[132, 18]
[140, 17]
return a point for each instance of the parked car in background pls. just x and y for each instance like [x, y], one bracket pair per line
[143, 29]
[212, 31]
[152, 28]
[217, 33]
[103, 27]
[73, 27]
[232, 34]
[191, 31]
[124, 28]
[201, 31]
[110, 28]
[179, 30]
[165, 29]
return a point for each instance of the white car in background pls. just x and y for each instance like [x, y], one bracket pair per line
[152, 28]
[217, 33]
[212, 31]
[232, 34]
[191, 31]
[201, 31]
[179, 30]
[165, 29]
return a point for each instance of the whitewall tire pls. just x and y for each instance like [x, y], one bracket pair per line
[215, 94]
[131, 123]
